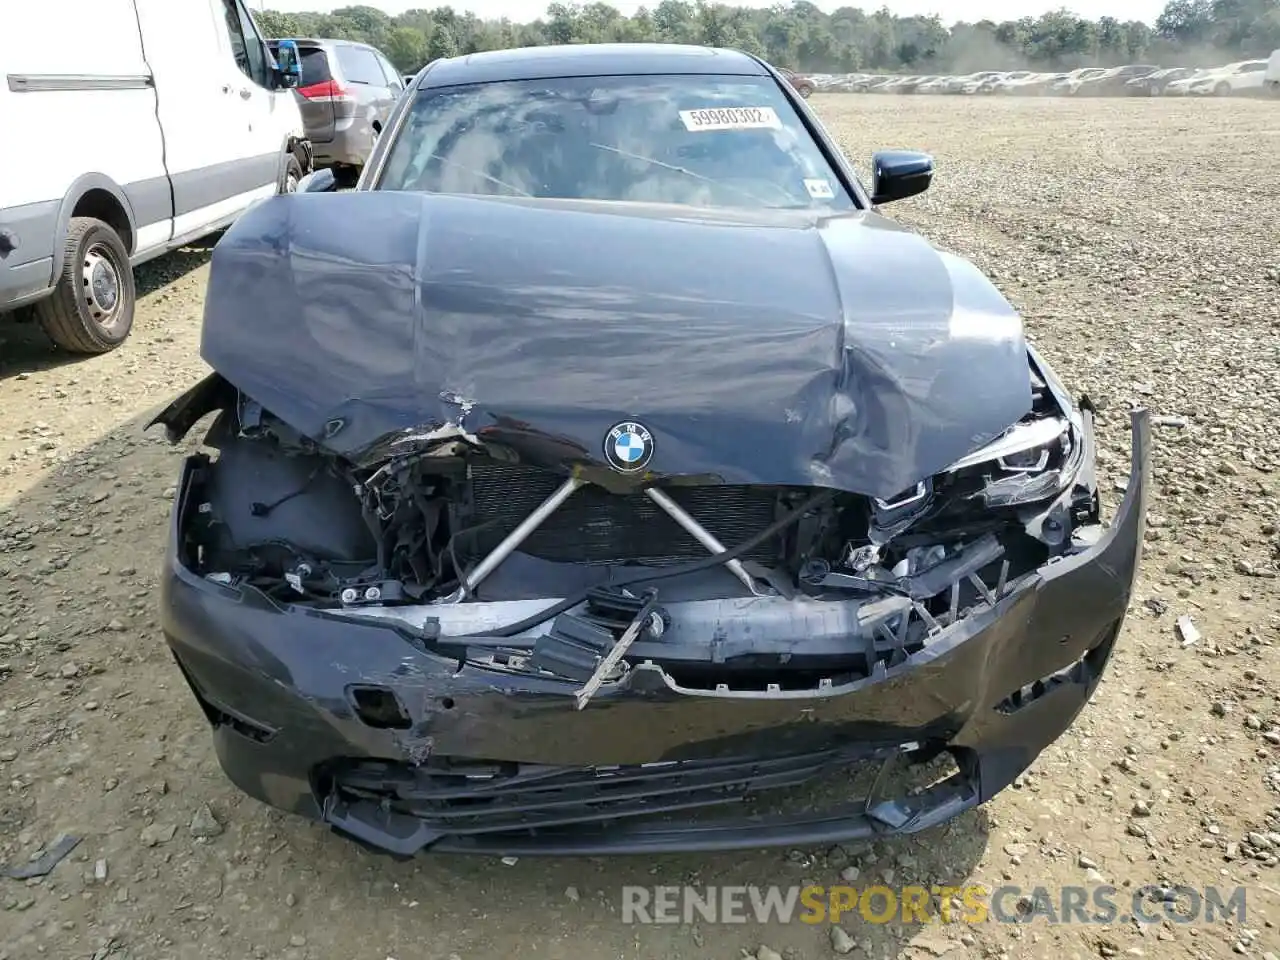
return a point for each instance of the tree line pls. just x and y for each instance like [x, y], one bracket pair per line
[1187, 33]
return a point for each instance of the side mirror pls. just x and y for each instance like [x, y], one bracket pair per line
[319, 181]
[288, 63]
[898, 174]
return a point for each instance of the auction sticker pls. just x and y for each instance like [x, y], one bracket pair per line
[819, 189]
[730, 118]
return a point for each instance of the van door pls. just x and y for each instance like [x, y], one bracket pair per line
[274, 115]
[268, 115]
[205, 123]
[206, 84]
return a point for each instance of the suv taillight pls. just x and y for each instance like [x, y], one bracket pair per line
[327, 92]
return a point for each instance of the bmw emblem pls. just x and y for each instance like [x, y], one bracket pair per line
[628, 447]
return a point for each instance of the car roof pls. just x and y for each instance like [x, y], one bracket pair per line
[588, 60]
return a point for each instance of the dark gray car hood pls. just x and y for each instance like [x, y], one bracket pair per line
[778, 348]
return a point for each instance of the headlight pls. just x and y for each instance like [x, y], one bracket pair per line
[1030, 462]
[1015, 442]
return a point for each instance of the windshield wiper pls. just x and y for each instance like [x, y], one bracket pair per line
[684, 170]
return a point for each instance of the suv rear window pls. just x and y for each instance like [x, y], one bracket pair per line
[360, 66]
[315, 67]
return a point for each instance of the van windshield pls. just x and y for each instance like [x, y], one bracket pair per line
[731, 141]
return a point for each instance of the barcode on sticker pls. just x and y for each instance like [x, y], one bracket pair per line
[731, 118]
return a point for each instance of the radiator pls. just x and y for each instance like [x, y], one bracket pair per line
[595, 526]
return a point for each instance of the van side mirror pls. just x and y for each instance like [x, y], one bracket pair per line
[288, 63]
[898, 174]
[319, 181]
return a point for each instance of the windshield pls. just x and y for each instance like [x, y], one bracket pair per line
[689, 140]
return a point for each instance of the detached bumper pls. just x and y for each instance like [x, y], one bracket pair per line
[354, 724]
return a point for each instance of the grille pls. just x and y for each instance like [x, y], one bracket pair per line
[470, 796]
[595, 526]
[460, 803]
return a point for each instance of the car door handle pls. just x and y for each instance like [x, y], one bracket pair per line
[245, 93]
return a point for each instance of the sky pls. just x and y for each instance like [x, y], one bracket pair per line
[949, 10]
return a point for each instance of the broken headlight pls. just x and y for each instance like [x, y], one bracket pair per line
[1031, 461]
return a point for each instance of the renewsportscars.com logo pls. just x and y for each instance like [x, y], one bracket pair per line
[970, 903]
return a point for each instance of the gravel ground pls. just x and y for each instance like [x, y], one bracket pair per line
[1140, 237]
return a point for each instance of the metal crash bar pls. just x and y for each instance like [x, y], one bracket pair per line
[549, 506]
[517, 536]
[700, 533]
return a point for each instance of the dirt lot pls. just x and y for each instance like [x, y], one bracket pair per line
[1142, 240]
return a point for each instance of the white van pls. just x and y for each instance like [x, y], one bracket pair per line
[128, 128]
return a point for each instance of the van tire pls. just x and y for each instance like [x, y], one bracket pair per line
[1223, 89]
[292, 175]
[346, 174]
[90, 314]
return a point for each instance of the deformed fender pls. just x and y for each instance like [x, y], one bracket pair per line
[188, 408]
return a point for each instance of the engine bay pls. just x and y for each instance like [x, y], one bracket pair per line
[497, 553]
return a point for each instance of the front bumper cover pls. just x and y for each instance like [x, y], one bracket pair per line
[477, 759]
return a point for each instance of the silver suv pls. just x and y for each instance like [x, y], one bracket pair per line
[346, 92]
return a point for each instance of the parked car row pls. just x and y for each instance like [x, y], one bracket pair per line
[1246, 77]
[1241, 78]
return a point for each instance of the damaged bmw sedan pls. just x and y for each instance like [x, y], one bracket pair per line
[605, 473]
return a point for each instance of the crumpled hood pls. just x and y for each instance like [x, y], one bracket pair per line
[771, 348]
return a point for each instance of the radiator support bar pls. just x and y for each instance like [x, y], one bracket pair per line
[702, 535]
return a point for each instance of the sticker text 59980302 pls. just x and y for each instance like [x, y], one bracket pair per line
[731, 118]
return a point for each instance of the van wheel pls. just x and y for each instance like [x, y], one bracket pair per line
[347, 175]
[292, 176]
[91, 308]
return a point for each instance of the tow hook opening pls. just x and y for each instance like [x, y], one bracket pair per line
[379, 707]
[1084, 671]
